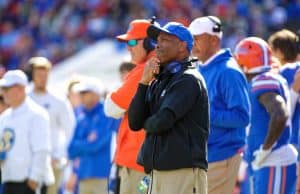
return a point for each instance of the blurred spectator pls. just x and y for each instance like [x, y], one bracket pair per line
[69, 179]
[25, 131]
[62, 120]
[74, 97]
[114, 179]
[57, 29]
[124, 68]
[92, 139]
[285, 46]
[271, 157]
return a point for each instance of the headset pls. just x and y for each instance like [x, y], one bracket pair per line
[217, 28]
[175, 66]
[149, 44]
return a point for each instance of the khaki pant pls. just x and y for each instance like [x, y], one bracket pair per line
[298, 179]
[53, 189]
[93, 186]
[222, 175]
[181, 181]
[130, 180]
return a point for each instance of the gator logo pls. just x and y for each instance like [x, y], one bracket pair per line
[7, 139]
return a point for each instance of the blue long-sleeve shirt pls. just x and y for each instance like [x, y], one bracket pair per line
[94, 155]
[229, 106]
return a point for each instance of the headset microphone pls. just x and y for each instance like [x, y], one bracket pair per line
[190, 62]
[153, 18]
[193, 60]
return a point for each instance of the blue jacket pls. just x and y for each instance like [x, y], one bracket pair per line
[229, 106]
[94, 155]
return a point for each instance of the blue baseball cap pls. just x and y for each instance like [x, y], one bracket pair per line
[173, 28]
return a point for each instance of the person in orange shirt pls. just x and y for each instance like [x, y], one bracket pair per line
[116, 104]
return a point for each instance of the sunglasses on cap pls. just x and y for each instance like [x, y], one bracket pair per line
[132, 43]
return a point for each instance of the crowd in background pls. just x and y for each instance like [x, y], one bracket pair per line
[58, 29]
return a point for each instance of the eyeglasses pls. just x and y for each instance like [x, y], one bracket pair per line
[132, 43]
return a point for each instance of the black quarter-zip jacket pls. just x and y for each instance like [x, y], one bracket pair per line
[174, 112]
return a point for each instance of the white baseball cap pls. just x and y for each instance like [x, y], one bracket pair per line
[13, 77]
[38, 62]
[208, 24]
[89, 85]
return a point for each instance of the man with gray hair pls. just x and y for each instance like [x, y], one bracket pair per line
[229, 104]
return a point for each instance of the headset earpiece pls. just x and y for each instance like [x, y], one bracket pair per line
[175, 66]
[217, 25]
[149, 44]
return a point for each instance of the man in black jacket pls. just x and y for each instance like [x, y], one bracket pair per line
[171, 104]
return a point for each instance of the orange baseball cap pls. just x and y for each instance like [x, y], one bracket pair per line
[137, 30]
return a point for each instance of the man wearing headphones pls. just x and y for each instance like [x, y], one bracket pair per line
[62, 119]
[117, 103]
[229, 104]
[173, 110]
